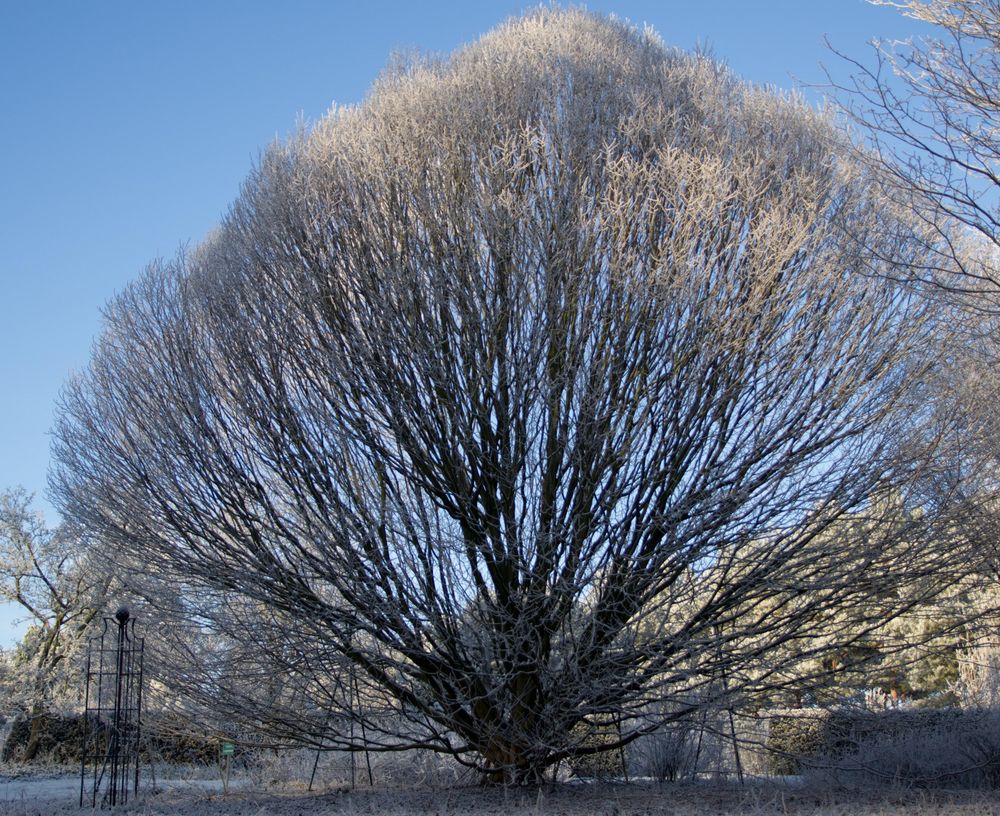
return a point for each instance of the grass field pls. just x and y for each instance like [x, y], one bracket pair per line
[57, 794]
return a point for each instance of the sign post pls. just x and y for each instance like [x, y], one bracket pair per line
[228, 749]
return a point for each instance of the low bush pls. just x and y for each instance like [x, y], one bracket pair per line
[600, 764]
[51, 738]
[794, 736]
[58, 738]
[921, 749]
[914, 748]
[665, 755]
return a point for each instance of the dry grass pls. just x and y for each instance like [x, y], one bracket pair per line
[565, 800]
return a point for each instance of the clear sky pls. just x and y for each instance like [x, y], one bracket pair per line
[127, 128]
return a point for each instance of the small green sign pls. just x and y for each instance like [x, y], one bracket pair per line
[228, 748]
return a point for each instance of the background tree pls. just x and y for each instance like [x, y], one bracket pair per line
[48, 574]
[911, 657]
[529, 387]
[931, 111]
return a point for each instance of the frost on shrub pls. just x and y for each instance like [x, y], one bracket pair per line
[951, 748]
[919, 748]
[978, 683]
[666, 755]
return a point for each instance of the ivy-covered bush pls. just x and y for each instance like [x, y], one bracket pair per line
[58, 739]
[52, 737]
[602, 764]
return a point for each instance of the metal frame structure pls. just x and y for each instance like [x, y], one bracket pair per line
[112, 712]
[353, 698]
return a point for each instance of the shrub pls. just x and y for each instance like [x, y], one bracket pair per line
[915, 748]
[947, 748]
[602, 764]
[58, 738]
[665, 755]
[50, 737]
[793, 736]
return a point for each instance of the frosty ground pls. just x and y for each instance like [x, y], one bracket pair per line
[57, 793]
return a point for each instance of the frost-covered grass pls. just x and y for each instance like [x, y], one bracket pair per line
[267, 784]
[49, 796]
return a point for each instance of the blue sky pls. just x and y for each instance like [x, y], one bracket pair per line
[128, 128]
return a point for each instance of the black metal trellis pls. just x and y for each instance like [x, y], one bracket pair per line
[353, 698]
[112, 712]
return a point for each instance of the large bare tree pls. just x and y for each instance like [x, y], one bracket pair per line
[528, 388]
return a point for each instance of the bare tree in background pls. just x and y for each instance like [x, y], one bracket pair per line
[931, 111]
[527, 389]
[45, 572]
